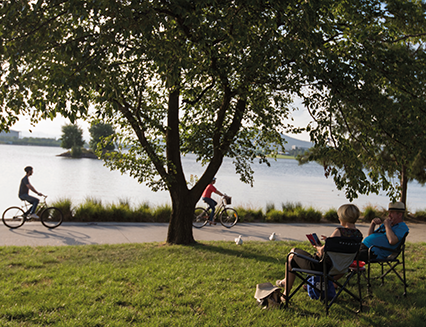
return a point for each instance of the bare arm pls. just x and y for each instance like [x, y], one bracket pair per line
[392, 238]
[30, 187]
[320, 249]
[218, 192]
[374, 222]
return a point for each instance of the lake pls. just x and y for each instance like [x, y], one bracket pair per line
[79, 179]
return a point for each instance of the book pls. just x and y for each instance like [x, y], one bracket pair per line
[313, 238]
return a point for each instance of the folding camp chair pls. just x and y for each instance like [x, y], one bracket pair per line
[396, 258]
[342, 252]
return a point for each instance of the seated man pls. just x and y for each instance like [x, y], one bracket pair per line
[389, 233]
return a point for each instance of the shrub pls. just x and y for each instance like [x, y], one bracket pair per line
[420, 215]
[313, 215]
[331, 215]
[290, 206]
[65, 206]
[249, 215]
[118, 212]
[143, 213]
[91, 210]
[371, 212]
[162, 213]
[291, 214]
[309, 215]
[269, 207]
[274, 216]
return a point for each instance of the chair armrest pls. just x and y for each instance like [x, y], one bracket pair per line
[384, 248]
[394, 252]
[304, 257]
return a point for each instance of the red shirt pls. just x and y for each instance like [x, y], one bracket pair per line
[208, 191]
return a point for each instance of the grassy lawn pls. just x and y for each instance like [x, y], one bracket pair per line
[210, 284]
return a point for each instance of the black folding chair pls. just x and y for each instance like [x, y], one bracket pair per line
[395, 259]
[342, 252]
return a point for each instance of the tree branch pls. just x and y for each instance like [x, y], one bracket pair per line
[198, 98]
[140, 133]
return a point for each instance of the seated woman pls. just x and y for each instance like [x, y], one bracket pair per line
[348, 215]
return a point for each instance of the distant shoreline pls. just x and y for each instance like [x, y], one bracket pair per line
[84, 154]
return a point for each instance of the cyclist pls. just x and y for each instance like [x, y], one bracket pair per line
[24, 187]
[206, 197]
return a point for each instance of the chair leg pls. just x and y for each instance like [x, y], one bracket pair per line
[403, 272]
[359, 289]
[383, 277]
[368, 279]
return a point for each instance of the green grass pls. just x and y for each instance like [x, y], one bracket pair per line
[210, 284]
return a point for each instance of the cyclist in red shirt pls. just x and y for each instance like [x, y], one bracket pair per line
[206, 196]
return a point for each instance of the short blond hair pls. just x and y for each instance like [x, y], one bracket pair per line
[348, 212]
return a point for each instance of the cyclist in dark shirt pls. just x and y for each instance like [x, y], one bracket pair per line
[24, 188]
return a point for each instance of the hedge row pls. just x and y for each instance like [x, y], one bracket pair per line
[93, 210]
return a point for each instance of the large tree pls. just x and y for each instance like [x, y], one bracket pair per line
[210, 77]
[369, 131]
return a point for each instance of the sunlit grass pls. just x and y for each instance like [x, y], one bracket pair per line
[210, 284]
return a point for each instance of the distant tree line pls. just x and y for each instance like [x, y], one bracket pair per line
[297, 152]
[72, 138]
[29, 141]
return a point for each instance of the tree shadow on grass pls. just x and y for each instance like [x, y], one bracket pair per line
[244, 252]
[387, 301]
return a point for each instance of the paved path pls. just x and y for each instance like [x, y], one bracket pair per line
[35, 234]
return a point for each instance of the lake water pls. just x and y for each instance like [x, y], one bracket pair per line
[79, 179]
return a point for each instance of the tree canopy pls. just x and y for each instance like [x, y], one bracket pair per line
[370, 130]
[209, 77]
[101, 135]
[72, 136]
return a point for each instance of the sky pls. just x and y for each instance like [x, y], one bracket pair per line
[52, 129]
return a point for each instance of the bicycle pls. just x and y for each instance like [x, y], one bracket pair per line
[15, 217]
[228, 216]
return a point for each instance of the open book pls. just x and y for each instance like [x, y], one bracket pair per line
[313, 238]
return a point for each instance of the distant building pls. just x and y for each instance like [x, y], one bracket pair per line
[11, 133]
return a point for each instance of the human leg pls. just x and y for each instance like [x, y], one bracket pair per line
[34, 201]
[294, 262]
[212, 204]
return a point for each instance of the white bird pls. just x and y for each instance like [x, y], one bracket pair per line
[239, 240]
[272, 237]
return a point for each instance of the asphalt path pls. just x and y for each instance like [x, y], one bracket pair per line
[35, 234]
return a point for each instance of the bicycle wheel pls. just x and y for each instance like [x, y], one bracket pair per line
[201, 216]
[13, 217]
[228, 217]
[51, 217]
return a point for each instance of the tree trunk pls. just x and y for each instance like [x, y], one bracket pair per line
[404, 185]
[180, 226]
